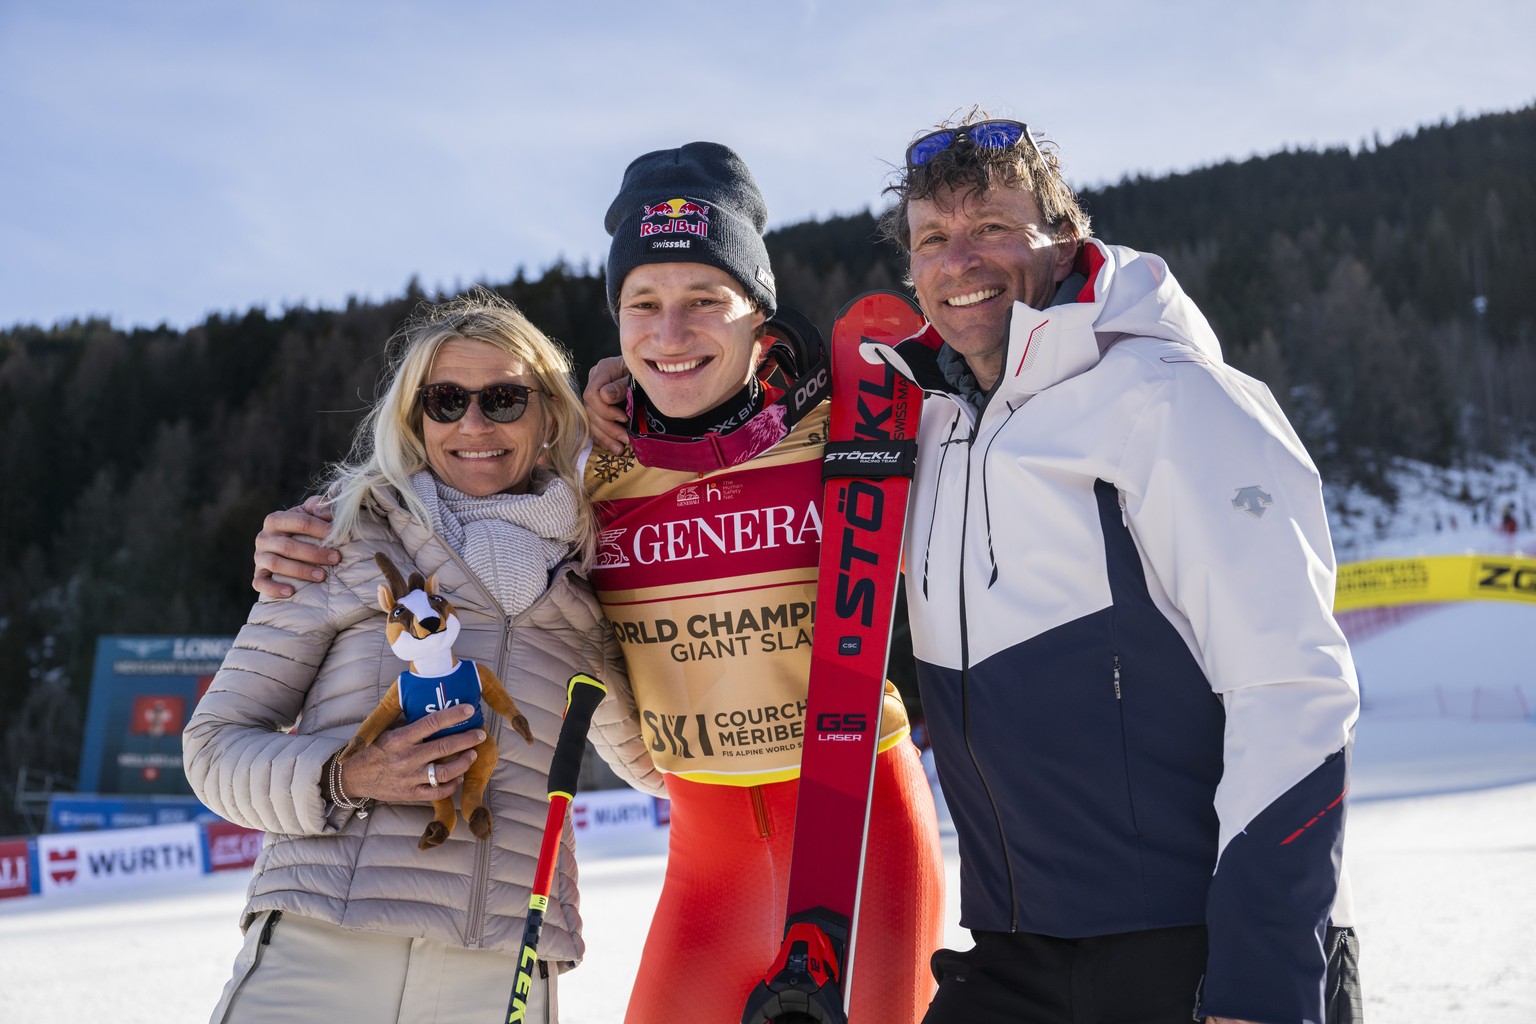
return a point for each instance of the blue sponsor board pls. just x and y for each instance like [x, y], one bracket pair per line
[143, 690]
[76, 812]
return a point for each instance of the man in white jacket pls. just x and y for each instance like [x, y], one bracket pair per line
[1120, 584]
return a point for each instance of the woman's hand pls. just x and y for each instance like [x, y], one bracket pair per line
[393, 769]
[604, 402]
[279, 551]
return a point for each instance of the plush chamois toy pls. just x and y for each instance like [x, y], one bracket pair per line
[422, 626]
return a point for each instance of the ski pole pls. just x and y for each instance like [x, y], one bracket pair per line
[582, 695]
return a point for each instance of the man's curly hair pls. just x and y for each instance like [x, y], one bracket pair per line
[965, 168]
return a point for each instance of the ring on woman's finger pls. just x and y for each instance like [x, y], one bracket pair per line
[432, 774]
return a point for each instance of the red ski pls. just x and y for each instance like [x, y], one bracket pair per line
[867, 470]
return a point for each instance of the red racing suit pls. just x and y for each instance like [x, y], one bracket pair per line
[710, 583]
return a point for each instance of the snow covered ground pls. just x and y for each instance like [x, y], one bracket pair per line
[1441, 849]
[1438, 510]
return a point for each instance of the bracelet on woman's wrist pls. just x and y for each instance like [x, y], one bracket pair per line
[337, 795]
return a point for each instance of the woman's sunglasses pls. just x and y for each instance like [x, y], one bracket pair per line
[1000, 134]
[499, 403]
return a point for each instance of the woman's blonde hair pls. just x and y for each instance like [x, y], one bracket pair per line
[388, 448]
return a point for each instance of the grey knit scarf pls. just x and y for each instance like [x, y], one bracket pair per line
[509, 541]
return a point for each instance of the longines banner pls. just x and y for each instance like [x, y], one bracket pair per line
[1435, 579]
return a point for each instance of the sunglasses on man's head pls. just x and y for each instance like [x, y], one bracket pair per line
[999, 134]
[499, 403]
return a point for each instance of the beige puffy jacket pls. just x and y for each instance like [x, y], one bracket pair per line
[320, 659]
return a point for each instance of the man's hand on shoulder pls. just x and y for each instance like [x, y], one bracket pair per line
[604, 402]
[281, 551]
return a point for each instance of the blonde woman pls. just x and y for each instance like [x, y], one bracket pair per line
[467, 468]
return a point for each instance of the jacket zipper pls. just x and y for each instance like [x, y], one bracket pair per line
[1125, 749]
[965, 686]
[760, 812]
[1125, 739]
[480, 881]
[477, 893]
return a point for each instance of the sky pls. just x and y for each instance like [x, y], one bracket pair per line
[165, 159]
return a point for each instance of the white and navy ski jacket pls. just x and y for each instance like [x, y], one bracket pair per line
[1120, 584]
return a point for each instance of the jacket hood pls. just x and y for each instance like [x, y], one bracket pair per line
[1142, 298]
[1126, 294]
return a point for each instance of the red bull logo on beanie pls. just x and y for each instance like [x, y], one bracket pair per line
[675, 217]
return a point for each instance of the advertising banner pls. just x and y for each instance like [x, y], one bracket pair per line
[115, 858]
[609, 811]
[142, 690]
[231, 846]
[75, 812]
[1434, 579]
[16, 877]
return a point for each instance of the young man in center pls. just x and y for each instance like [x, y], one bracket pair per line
[711, 520]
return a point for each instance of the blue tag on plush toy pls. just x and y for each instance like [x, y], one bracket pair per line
[422, 695]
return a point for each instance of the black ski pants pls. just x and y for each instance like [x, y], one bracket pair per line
[1148, 977]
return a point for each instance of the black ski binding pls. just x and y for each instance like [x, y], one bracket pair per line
[805, 983]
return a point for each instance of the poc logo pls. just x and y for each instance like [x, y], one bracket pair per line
[1507, 578]
[808, 391]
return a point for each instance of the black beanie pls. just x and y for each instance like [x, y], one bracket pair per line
[697, 204]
